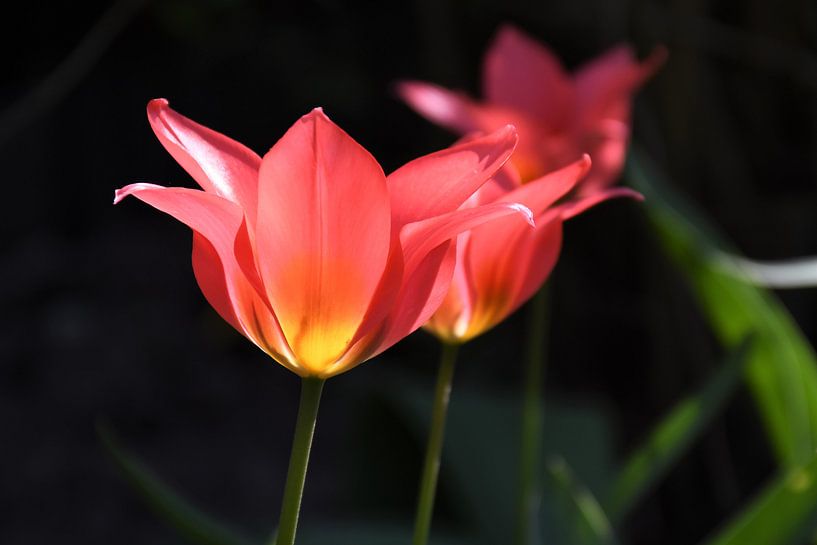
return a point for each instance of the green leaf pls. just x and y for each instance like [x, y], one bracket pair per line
[779, 515]
[782, 368]
[481, 454]
[588, 522]
[189, 522]
[673, 436]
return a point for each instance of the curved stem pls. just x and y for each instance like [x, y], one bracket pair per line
[299, 459]
[431, 466]
[530, 468]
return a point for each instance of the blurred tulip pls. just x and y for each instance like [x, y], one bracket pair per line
[559, 116]
[500, 266]
[311, 252]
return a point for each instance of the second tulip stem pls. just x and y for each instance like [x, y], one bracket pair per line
[530, 467]
[431, 466]
[311, 389]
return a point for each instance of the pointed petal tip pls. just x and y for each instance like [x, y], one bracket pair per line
[524, 211]
[586, 162]
[410, 90]
[404, 89]
[507, 135]
[508, 31]
[509, 129]
[315, 114]
[659, 56]
[400, 86]
[130, 189]
[156, 105]
[632, 194]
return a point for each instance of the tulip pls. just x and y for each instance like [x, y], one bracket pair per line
[312, 253]
[559, 116]
[500, 266]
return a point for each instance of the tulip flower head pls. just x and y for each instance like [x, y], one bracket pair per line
[311, 252]
[559, 116]
[500, 266]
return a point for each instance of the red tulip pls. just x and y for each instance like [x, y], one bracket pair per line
[311, 252]
[500, 266]
[559, 116]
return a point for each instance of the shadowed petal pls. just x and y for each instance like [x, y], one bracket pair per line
[541, 193]
[607, 142]
[440, 182]
[219, 164]
[577, 206]
[604, 85]
[450, 109]
[419, 238]
[501, 259]
[420, 295]
[537, 254]
[521, 73]
[451, 319]
[429, 263]
[323, 236]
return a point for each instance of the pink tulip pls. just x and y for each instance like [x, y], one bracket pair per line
[559, 116]
[311, 252]
[500, 266]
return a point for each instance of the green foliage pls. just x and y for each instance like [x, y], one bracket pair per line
[779, 515]
[191, 524]
[782, 368]
[481, 454]
[364, 533]
[587, 521]
[673, 436]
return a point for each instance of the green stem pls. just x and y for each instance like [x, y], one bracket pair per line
[431, 467]
[299, 459]
[530, 467]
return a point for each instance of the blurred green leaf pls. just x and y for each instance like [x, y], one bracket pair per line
[481, 454]
[782, 368]
[194, 526]
[364, 533]
[673, 436]
[779, 515]
[588, 523]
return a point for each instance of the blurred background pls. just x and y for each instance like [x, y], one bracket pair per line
[103, 319]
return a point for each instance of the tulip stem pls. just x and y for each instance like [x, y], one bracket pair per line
[299, 459]
[530, 467]
[431, 466]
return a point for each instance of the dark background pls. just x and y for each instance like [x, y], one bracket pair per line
[102, 317]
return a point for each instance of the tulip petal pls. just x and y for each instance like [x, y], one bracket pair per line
[541, 193]
[429, 260]
[420, 294]
[575, 207]
[216, 223]
[607, 142]
[505, 263]
[538, 255]
[440, 182]
[420, 238]
[453, 110]
[450, 321]
[322, 238]
[219, 164]
[521, 73]
[605, 84]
